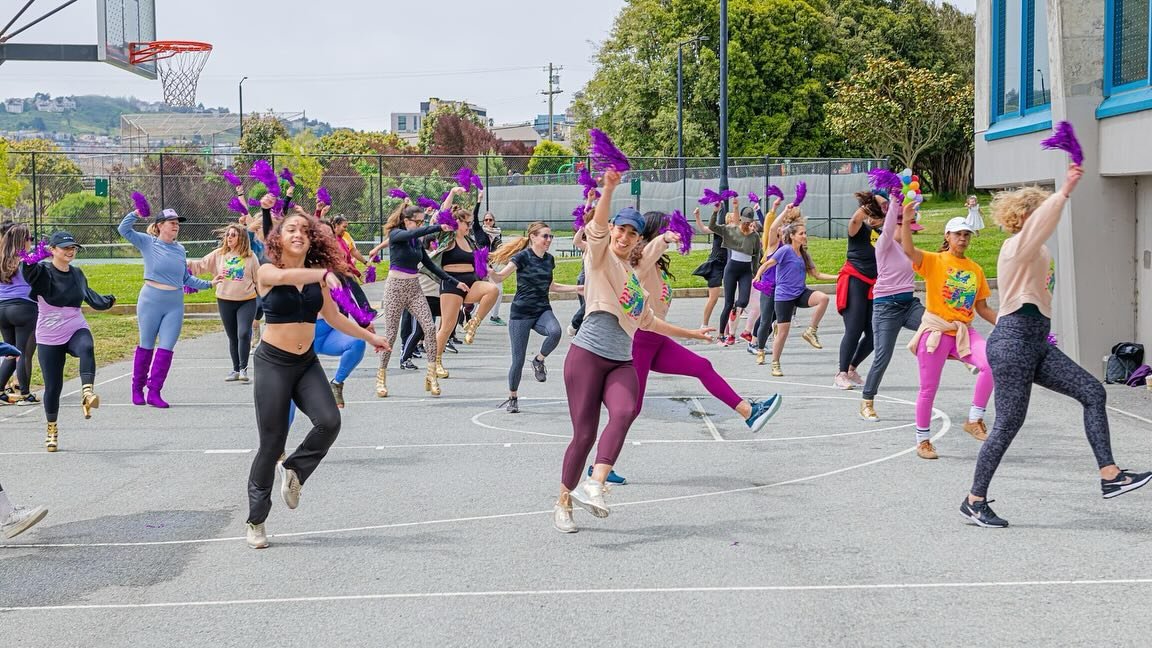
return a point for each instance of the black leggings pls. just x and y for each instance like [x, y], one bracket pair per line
[1019, 355]
[52, 357]
[18, 326]
[856, 345]
[767, 319]
[285, 378]
[415, 334]
[238, 317]
[737, 276]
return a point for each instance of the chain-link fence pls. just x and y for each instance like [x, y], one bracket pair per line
[89, 193]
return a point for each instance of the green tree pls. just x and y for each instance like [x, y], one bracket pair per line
[492, 165]
[56, 174]
[549, 157]
[81, 208]
[260, 135]
[465, 131]
[893, 109]
[349, 142]
[299, 155]
[10, 185]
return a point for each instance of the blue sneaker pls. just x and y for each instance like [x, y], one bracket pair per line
[8, 351]
[762, 411]
[613, 478]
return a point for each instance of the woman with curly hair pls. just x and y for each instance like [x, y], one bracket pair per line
[304, 266]
[18, 313]
[1020, 354]
[236, 299]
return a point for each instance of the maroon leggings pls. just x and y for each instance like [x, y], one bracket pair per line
[591, 380]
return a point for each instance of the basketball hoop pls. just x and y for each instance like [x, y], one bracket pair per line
[178, 64]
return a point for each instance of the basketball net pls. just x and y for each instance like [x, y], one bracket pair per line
[178, 64]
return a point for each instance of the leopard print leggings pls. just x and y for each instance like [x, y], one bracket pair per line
[403, 292]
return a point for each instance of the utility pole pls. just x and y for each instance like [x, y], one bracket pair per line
[724, 98]
[552, 91]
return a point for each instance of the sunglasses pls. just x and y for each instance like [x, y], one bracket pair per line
[547, 237]
[489, 220]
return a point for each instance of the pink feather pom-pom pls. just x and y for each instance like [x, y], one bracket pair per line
[237, 206]
[231, 178]
[677, 224]
[1064, 139]
[287, 176]
[578, 216]
[322, 196]
[480, 262]
[801, 192]
[604, 153]
[774, 191]
[143, 209]
[37, 254]
[426, 203]
[397, 193]
[370, 275]
[445, 217]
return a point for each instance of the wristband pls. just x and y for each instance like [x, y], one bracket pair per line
[324, 279]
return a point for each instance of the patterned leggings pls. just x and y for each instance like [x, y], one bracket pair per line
[403, 292]
[1019, 354]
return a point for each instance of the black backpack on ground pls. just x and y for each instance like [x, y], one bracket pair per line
[1125, 358]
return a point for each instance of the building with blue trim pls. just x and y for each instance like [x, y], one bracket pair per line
[1088, 62]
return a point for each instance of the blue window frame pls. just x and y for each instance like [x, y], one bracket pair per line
[1127, 58]
[1020, 77]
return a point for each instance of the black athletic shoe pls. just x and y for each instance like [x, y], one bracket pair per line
[418, 353]
[453, 339]
[1124, 482]
[408, 364]
[513, 405]
[980, 514]
[450, 347]
[539, 370]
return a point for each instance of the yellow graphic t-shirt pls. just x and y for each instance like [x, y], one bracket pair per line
[952, 285]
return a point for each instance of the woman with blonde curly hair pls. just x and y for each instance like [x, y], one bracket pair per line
[1020, 353]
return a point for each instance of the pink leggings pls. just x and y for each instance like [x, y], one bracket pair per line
[659, 353]
[932, 365]
[591, 380]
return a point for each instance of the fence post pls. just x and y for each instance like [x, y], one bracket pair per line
[111, 219]
[380, 193]
[487, 180]
[162, 203]
[35, 197]
[767, 181]
[829, 163]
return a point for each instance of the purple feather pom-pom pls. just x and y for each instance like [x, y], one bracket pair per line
[397, 193]
[278, 208]
[884, 179]
[801, 192]
[189, 290]
[728, 194]
[37, 254]
[1064, 139]
[375, 258]
[252, 202]
[231, 178]
[443, 197]
[323, 196]
[477, 182]
[774, 191]
[752, 197]
[347, 304]
[586, 180]
[677, 224]
[370, 275]
[463, 178]
[425, 203]
[237, 206]
[578, 216]
[710, 197]
[604, 153]
[480, 262]
[1052, 339]
[262, 172]
[287, 176]
[143, 209]
[445, 217]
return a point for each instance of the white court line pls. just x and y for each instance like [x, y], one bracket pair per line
[1135, 416]
[496, 516]
[29, 410]
[736, 589]
[707, 420]
[234, 451]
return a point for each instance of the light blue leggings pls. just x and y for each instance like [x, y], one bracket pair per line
[160, 314]
[331, 342]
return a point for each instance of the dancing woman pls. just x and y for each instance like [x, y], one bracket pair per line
[598, 369]
[712, 270]
[295, 288]
[61, 329]
[236, 300]
[957, 291]
[18, 314]
[854, 287]
[743, 244]
[160, 306]
[459, 260]
[1020, 354]
[402, 234]
[765, 282]
[531, 310]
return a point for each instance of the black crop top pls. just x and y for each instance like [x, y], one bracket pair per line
[454, 255]
[289, 305]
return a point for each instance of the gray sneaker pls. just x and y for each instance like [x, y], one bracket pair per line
[233, 376]
[539, 370]
[289, 487]
[590, 497]
[243, 376]
[257, 539]
[21, 519]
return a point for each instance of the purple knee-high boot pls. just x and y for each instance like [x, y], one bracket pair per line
[140, 365]
[160, 367]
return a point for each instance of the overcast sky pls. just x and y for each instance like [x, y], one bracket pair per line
[347, 62]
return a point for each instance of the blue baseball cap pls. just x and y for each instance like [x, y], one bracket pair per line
[629, 216]
[63, 239]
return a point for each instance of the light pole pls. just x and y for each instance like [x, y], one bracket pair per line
[724, 98]
[242, 106]
[680, 111]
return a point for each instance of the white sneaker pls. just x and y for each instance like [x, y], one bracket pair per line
[571, 331]
[243, 376]
[21, 519]
[562, 519]
[256, 536]
[289, 487]
[233, 376]
[841, 381]
[590, 497]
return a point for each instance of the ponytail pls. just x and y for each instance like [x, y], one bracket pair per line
[505, 252]
[153, 229]
[944, 245]
[396, 218]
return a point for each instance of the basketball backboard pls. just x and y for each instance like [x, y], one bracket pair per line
[122, 22]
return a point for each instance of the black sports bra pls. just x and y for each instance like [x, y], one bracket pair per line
[456, 256]
[288, 305]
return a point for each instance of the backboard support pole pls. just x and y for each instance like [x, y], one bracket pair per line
[47, 52]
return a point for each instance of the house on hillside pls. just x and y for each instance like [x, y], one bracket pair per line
[1039, 62]
[524, 133]
[14, 106]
